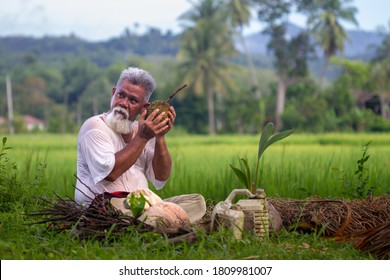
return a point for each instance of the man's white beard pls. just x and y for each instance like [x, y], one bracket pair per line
[118, 121]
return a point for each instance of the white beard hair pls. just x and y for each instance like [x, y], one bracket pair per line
[117, 122]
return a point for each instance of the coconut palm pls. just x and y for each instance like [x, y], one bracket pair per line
[206, 44]
[240, 15]
[324, 21]
[290, 55]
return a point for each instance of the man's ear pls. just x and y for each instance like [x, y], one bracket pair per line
[113, 90]
[146, 105]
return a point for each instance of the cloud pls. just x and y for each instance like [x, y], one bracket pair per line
[90, 19]
[100, 20]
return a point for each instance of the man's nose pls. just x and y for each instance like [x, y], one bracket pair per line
[124, 103]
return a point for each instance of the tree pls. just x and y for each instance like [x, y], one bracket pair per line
[341, 95]
[380, 66]
[77, 74]
[240, 15]
[304, 111]
[324, 22]
[206, 45]
[290, 56]
[96, 97]
[35, 87]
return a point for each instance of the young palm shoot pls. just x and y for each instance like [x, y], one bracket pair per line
[268, 137]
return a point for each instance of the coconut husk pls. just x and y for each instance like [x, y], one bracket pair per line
[376, 240]
[363, 222]
[340, 216]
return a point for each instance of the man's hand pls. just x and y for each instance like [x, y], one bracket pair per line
[154, 125]
[171, 120]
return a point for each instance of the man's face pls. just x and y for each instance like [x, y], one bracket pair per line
[126, 103]
[129, 97]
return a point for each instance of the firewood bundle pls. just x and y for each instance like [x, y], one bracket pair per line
[99, 220]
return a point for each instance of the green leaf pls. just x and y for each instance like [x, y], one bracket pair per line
[240, 175]
[247, 171]
[279, 136]
[267, 132]
[137, 204]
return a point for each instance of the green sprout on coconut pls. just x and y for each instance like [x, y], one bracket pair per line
[268, 137]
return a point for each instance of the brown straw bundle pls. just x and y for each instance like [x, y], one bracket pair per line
[364, 222]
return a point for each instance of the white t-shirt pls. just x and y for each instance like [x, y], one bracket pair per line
[97, 145]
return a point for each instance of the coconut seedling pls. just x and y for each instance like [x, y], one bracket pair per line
[163, 105]
[268, 137]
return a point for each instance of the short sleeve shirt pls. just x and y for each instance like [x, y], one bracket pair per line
[97, 144]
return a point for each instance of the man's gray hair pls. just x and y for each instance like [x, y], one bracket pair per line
[139, 77]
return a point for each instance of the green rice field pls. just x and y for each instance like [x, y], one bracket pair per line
[299, 166]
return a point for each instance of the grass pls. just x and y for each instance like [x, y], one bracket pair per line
[297, 167]
[39, 244]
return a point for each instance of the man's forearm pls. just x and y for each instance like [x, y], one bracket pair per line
[125, 158]
[162, 162]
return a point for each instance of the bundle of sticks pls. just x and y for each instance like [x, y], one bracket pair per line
[100, 220]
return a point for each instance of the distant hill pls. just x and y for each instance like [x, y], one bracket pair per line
[51, 49]
[361, 44]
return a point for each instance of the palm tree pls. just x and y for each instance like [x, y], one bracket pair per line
[290, 56]
[324, 22]
[205, 46]
[240, 16]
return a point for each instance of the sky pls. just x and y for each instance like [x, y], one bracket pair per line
[99, 20]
